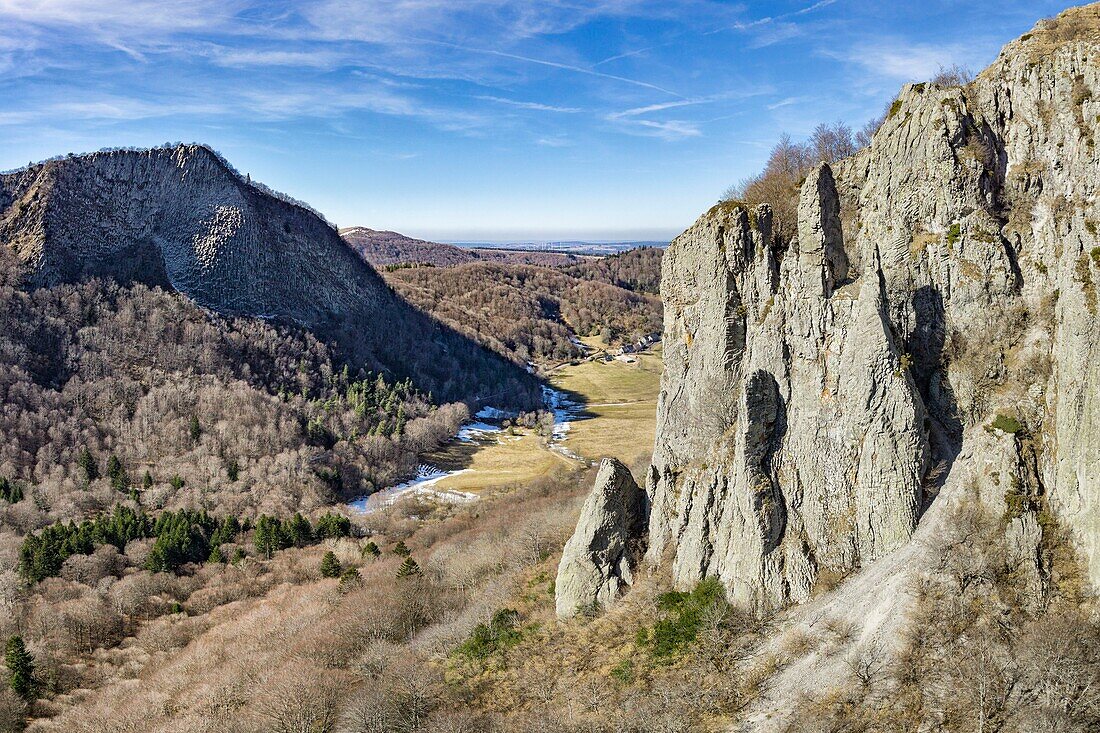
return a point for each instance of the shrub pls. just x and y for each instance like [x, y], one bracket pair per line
[408, 569]
[330, 566]
[954, 234]
[682, 617]
[1007, 424]
[499, 634]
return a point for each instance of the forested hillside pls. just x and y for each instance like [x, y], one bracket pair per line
[532, 313]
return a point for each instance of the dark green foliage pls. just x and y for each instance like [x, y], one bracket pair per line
[88, 465]
[238, 555]
[216, 554]
[42, 554]
[349, 579]
[681, 617]
[330, 566]
[331, 526]
[500, 633]
[176, 482]
[299, 532]
[401, 549]
[270, 536]
[20, 666]
[195, 429]
[381, 407]
[147, 481]
[10, 491]
[371, 550]
[182, 537]
[233, 469]
[120, 481]
[894, 109]
[409, 568]
[274, 534]
[227, 529]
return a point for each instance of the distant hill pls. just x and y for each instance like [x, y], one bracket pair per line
[382, 248]
[527, 305]
[526, 312]
[181, 218]
[638, 270]
[392, 250]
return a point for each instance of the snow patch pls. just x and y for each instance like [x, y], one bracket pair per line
[423, 485]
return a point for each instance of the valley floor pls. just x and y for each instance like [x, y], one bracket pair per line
[616, 419]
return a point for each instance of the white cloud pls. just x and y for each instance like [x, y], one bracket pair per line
[536, 106]
[122, 14]
[670, 130]
[239, 58]
[556, 141]
[657, 108]
[900, 61]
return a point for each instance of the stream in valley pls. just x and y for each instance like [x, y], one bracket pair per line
[485, 428]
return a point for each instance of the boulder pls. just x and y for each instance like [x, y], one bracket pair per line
[598, 562]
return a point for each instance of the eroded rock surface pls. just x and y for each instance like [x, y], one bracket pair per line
[180, 217]
[817, 388]
[598, 562]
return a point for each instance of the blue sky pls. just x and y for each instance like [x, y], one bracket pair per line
[477, 119]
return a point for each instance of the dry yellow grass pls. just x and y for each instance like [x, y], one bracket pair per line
[621, 407]
[619, 421]
[513, 460]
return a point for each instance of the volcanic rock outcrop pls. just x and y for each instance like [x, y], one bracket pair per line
[598, 562]
[819, 389]
[180, 217]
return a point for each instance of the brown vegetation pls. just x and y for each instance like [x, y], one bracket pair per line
[787, 166]
[531, 313]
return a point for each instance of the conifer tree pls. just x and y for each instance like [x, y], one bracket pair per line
[330, 566]
[401, 549]
[117, 474]
[88, 465]
[408, 568]
[20, 666]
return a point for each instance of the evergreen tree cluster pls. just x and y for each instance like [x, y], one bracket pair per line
[273, 534]
[42, 555]
[188, 536]
[184, 536]
[10, 491]
[381, 408]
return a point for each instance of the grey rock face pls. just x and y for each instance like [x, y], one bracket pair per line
[181, 218]
[811, 386]
[598, 562]
[790, 437]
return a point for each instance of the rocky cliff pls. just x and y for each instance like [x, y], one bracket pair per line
[181, 218]
[819, 389]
